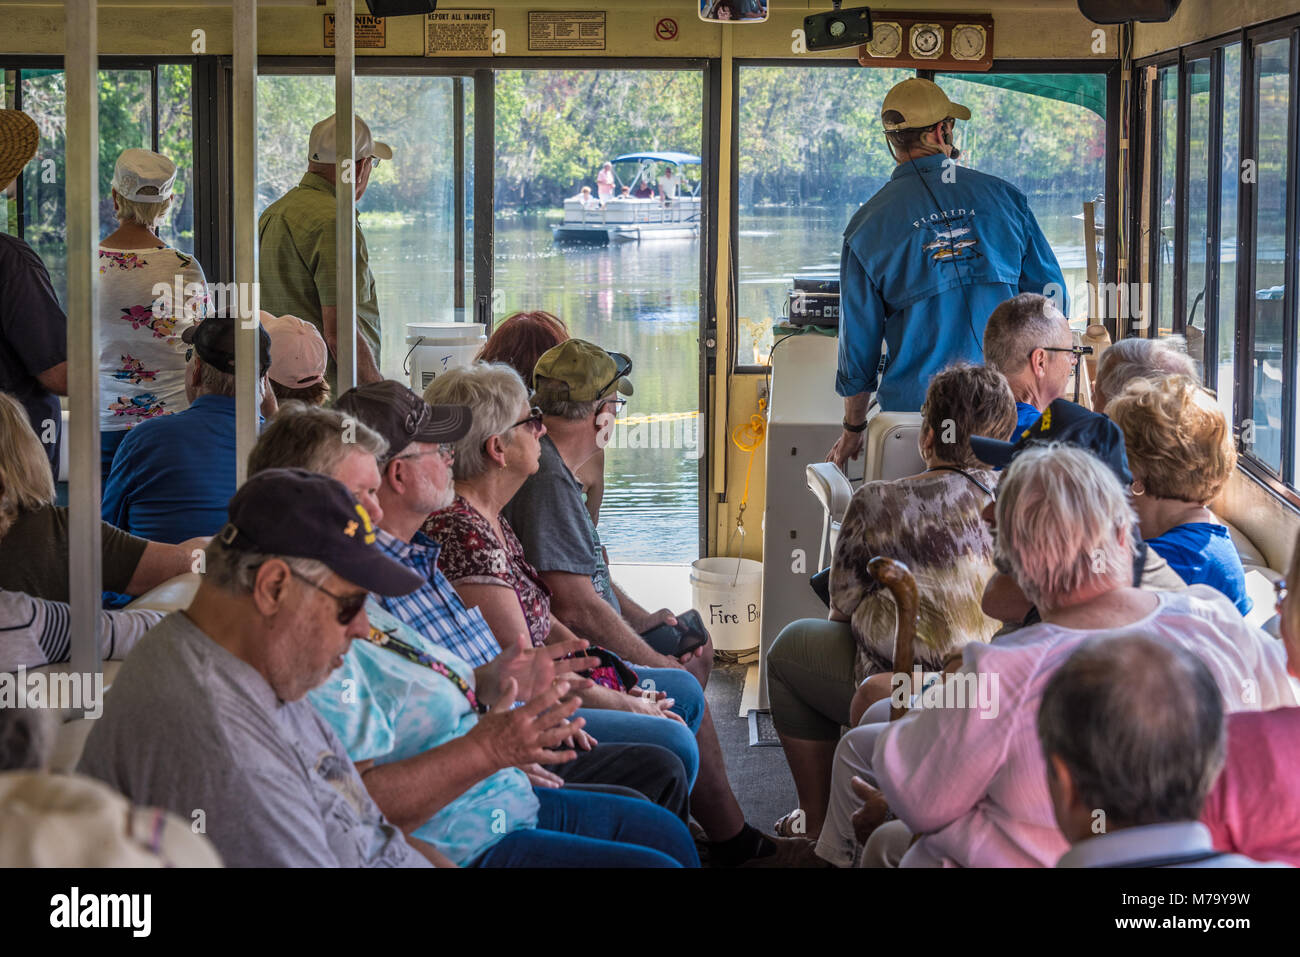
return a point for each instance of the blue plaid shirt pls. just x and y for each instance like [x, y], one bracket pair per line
[434, 609]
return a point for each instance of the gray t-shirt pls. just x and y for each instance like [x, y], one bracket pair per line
[553, 524]
[191, 728]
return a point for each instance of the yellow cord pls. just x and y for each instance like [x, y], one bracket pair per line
[748, 437]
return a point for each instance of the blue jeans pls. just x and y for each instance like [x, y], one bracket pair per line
[586, 829]
[622, 727]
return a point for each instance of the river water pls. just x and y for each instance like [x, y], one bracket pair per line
[643, 300]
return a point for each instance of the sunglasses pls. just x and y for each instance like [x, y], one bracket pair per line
[533, 421]
[349, 605]
[622, 367]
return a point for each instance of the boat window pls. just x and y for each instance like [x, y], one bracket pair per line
[126, 119]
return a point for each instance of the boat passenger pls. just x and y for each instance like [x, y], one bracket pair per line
[668, 185]
[327, 441]
[605, 183]
[173, 476]
[519, 341]
[1254, 806]
[142, 360]
[929, 521]
[1134, 727]
[299, 359]
[925, 262]
[298, 229]
[33, 328]
[1129, 359]
[577, 388]
[1029, 341]
[482, 558]
[218, 688]
[1180, 451]
[34, 531]
[971, 780]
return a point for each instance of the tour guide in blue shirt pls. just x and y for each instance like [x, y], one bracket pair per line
[172, 476]
[925, 261]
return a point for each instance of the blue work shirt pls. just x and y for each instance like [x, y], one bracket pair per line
[920, 274]
[1203, 554]
[173, 476]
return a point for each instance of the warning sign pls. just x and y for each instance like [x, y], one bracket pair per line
[463, 32]
[666, 29]
[369, 32]
[579, 30]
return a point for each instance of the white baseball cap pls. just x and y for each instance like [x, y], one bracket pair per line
[298, 353]
[322, 147]
[144, 176]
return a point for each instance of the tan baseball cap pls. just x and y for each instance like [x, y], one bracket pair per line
[323, 148]
[298, 353]
[921, 104]
[581, 371]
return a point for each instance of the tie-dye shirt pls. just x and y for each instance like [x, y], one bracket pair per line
[932, 524]
[386, 708]
[141, 356]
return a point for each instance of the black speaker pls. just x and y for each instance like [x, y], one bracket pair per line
[401, 8]
[1122, 11]
[839, 28]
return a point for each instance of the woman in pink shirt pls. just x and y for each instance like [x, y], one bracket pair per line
[1254, 807]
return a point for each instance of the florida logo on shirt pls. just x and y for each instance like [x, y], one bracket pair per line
[954, 235]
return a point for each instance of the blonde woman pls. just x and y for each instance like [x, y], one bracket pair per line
[142, 359]
[34, 531]
[1181, 455]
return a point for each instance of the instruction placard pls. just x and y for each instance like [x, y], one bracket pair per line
[464, 32]
[369, 32]
[563, 30]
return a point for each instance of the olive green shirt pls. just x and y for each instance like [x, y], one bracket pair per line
[297, 261]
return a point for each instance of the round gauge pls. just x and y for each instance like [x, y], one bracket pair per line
[886, 40]
[968, 41]
[927, 40]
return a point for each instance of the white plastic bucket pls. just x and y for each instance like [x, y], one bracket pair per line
[439, 346]
[727, 592]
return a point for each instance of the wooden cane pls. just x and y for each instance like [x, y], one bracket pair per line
[896, 576]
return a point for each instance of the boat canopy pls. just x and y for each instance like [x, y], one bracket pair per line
[679, 159]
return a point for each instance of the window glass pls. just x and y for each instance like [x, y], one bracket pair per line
[406, 212]
[1195, 282]
[811, 152]
[627, 291]
[124, 121]
[1166, 199]
[1229, 187]
[1273, 82]
[1045, 133]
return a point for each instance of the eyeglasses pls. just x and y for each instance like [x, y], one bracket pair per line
[349, 605]
[1076, 350]
[617, 403]
[622, 367]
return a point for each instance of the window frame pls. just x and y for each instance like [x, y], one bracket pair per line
[1282, 482]
[1108, 68]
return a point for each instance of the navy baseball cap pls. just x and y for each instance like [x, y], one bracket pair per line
[299, 514]
[214, 340]
[402, 417]
[1062, 421]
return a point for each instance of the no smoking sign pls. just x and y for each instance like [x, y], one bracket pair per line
[666, 29]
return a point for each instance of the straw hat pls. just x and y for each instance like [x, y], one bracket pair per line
[18, 139]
